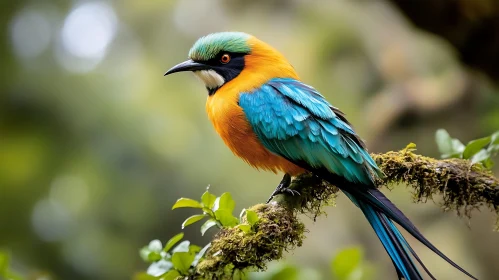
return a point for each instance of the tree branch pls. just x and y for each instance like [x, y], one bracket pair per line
[461, 186]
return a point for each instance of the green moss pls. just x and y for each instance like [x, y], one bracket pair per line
[277, 230]
[462, 187]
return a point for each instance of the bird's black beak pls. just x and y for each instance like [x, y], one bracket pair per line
[188, 65]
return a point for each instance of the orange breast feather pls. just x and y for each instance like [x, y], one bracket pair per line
[228, 117]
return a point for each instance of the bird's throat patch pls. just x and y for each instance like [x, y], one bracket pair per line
[211, 79]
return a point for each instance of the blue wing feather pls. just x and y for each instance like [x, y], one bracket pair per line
[295, 121]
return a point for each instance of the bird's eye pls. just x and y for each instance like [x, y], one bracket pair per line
[225, 58]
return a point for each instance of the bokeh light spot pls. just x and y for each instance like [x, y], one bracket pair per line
[30, 33]
[86, 35]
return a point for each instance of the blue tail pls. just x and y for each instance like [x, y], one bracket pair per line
[381, 213]
[395, 244]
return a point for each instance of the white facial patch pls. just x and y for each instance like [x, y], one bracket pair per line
[210, 78]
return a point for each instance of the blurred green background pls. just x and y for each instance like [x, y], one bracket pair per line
[96, 145]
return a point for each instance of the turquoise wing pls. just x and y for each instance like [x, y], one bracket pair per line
[296, 122]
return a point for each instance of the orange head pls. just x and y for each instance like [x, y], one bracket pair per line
[234, 58]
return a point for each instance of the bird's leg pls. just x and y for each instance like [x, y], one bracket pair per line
[283, 187]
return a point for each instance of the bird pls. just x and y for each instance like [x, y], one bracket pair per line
[275, 122]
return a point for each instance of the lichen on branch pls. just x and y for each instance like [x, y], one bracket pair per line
[462, 187]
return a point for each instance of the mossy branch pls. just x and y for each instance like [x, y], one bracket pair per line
[461, 186]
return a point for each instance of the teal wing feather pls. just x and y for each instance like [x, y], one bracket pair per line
[294, 121]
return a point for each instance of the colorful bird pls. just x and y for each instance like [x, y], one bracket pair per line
[275, 122]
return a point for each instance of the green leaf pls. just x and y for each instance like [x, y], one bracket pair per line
[174, 240]
[170, 275]
[475, 146]
[245, 228]
[448, 146]
[411, 147]
[182, 247]
[444, 141]
[208, 199]
[225, 217]
[155, 245]
[200, 255]
[207, 225]
[182, 261]
[225, 203]
[153, 257]
[252, 217]
[151, 252]
[186, 202]
[192, 219]
[346, 262]
[482, 155]
[494, 138]
[159, 268]
[457, 147]
[194, 248]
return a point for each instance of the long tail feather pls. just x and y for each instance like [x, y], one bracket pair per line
[380, 212]
[394, 243]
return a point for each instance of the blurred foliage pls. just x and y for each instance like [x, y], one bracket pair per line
[5, 270]
[95, 145]
[477, 151]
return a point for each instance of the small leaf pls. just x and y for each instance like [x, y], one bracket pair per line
[182, 247]
[170, 275]
[182, 261]
[226, 202]
[207, 225]
[475, 146]
[225, 218]
[346, 262]
[480, 156]
[245, 228]
[208, 199]
[194, 248]
[444, 141]
[457, 147]
[494, 138]
[153, 256]
[186, 202]
[192, 219]
[174, 240]
[144, 255]
[449, 147]
[411, 147]
[200, 255]
[159, 268]
[252, 217]
[155, 245]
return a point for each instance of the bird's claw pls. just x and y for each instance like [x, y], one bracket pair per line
[283, 188]
[290, 191]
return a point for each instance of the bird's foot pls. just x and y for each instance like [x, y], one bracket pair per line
[283, 188]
